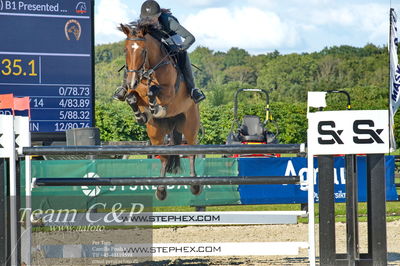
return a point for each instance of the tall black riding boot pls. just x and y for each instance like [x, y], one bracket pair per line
[186, 67]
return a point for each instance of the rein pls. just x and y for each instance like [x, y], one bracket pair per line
[142, 72]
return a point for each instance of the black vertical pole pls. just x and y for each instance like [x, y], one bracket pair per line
[327, 237]
[3, 218]
[351, 209]
[18, 204]
[376, 193]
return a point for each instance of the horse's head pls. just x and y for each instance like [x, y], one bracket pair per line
[136, 55]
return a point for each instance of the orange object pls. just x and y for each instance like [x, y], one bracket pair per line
[7, 101]
[21, 104]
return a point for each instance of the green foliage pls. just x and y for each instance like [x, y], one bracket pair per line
[117, 123]
[108, 52]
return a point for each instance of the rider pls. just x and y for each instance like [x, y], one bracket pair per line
[168, 25]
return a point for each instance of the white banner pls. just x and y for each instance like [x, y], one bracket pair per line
[348, 132]
[175, 218]
[22, 134]
[394, 66]
[172, 249]
[394, 75]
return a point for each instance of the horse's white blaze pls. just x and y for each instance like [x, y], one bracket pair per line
[135, 46]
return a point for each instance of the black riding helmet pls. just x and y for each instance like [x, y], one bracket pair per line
[150, 9]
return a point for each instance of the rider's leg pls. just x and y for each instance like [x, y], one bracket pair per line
[120, 92]
[186, 67]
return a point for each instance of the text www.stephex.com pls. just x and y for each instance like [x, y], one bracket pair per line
[170, 249]
[172, 218]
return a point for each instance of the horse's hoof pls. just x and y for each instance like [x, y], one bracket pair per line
[161, 193]
[196, 189]
[142, 120]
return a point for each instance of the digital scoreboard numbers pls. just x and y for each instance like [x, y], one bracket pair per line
[46, 52]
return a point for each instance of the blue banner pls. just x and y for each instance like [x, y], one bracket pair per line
[284, 194]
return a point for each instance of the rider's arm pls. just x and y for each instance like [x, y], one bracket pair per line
[181, 31]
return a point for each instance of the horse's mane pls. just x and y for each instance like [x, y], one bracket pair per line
[142, 25]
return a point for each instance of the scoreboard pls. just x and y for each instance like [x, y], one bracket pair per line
[46, 52]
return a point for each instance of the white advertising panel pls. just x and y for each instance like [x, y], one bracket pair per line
[348, 132]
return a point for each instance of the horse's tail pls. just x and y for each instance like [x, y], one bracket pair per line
[173, 162]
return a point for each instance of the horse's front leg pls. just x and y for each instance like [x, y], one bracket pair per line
[156, 110]
[132, 100]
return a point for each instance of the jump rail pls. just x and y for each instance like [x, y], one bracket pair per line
[164, 150]
[142, 181]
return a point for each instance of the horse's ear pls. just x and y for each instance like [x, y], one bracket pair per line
[125, 29]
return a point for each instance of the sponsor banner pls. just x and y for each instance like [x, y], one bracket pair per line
[285, 166]
[172, 218]
[394, 75]
[394, 66]
[177, 195]
[172, 249]
[348, 132]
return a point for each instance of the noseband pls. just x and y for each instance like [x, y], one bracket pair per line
[142, 73]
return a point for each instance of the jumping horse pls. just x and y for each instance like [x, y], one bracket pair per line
[159, 98]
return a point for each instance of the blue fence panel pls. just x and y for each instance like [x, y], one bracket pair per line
[284, 194]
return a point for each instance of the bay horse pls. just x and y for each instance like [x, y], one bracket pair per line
[159, 98]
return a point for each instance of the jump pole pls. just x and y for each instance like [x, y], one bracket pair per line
[164, 150]
[148, 181]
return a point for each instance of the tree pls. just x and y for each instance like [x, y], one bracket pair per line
[242, 74]
[235, 57]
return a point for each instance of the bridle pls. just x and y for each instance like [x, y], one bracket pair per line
[142, 72]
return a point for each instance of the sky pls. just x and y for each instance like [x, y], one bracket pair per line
[262, 26]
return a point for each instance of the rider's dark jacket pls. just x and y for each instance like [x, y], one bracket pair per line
[171, 26]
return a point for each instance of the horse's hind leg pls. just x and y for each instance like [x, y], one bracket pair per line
[190, 130]
[161, 193]
[195, 189]
[156, 134]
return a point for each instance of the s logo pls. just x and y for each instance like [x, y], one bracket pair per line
[373, 134]
[323, 130]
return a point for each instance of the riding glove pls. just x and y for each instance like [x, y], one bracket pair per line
[175, 49]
